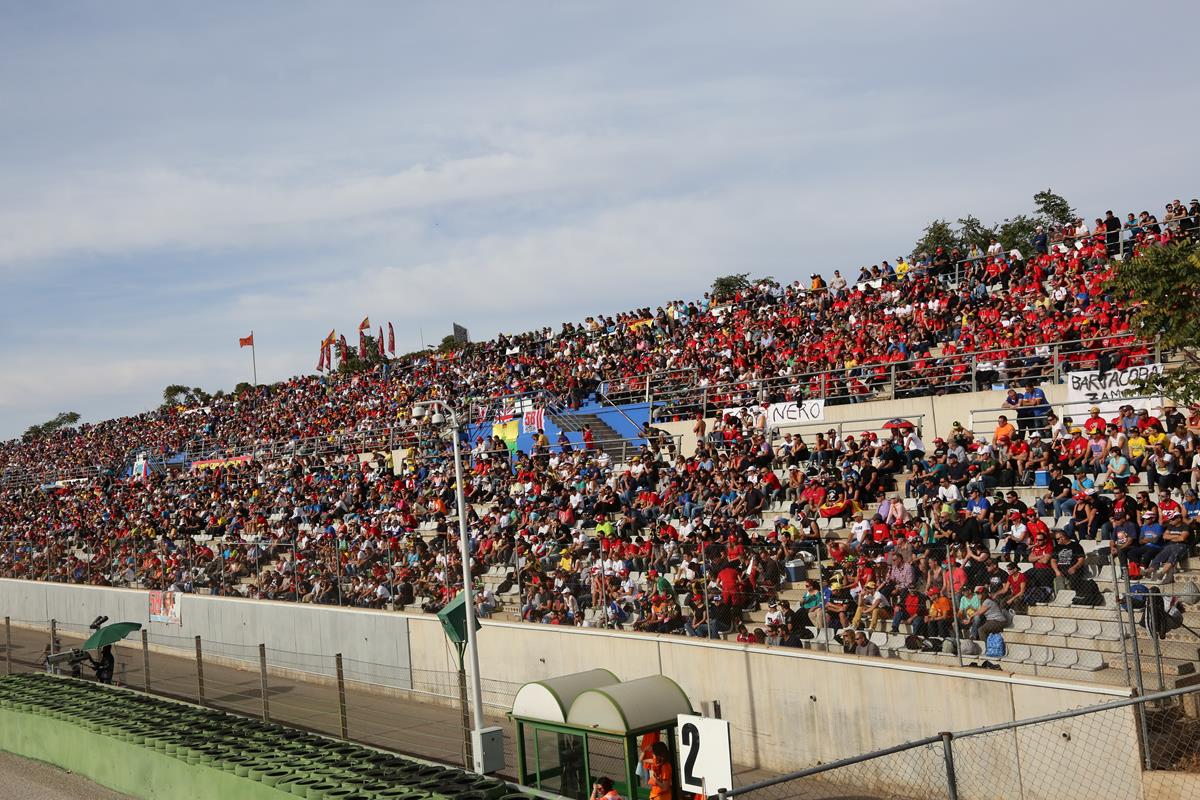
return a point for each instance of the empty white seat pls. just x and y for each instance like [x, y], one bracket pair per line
[1090, 661]
[1041, 625]
[1088, 629]
[1062, 598]
[1021, 622]
[1065, 626]
[837, 523]
[878, 638]
[823, 523]
[1110, 631]
[1038, 655]
[1187, 592]
[910, 503]
[1063, 657]
[1091, 545]
[1049, 522]
[1017, 652]
[1103, 575]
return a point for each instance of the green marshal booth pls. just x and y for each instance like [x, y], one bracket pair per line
[575, 729]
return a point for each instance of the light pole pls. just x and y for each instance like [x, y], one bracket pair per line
[440, 413]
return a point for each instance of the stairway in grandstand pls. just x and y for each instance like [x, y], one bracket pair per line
[606, 438]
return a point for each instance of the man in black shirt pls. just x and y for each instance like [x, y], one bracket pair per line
[1057, 500]
[1068, 561]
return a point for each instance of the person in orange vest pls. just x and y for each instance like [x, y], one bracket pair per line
[661, 778]
[603, 789]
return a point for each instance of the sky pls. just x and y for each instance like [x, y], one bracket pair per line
[178, 175]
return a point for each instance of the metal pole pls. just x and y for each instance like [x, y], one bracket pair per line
[1116, 568]
[464, 546]
[951, 777]
[341, 685]
[253, 358]
[713, 630]
[1137, 669]
[462, 703]
[8, 645]
[145, 660]
[1152, 626]
[954, 606]
[53, 637]
[199, 674]
[262, 680]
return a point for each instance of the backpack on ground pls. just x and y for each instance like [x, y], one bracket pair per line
[1088, 595]
[995, 646]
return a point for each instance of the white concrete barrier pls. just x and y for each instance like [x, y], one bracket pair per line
[789, 708]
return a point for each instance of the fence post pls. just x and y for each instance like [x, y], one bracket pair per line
[53, 638]
[262, 680]
[8, 645]
[341, 686]
[199, 673]
[145, 660]
[951, 778]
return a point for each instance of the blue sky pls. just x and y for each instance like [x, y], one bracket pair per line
[177, 175]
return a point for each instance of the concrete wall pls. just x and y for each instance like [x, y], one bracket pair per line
[938, 414]
[789, 709]
[298, 636]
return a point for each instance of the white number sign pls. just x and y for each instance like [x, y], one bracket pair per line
[705, 760]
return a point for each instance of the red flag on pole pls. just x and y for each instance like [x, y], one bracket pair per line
[362, 345]
[380, 341]
[365, 324]
[321, 358]
[391, 339]
[343, 348]
[246, 341]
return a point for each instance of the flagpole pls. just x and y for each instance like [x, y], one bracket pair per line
[253, 358]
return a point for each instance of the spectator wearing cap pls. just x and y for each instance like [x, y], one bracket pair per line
[990, 618]
[939, 615]
[873, 604]
[1150, 540]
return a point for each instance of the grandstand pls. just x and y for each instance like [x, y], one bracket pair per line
[624, 473]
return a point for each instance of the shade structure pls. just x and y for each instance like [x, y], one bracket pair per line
[550, 699]
[644, 704]
[110, 634]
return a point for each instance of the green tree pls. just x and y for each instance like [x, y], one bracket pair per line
[354, 363]
[1017, 232]
[65, 419]
[1053, 208]
[1165, 282]
[938, 233]
[971, 231]
[175, 394]
[726, 286]
[243, 387]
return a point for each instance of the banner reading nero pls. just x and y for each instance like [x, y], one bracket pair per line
[164, 607]
[1108, 390]
[783, 414]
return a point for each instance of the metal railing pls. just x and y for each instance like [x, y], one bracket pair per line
[1130, 748]
[944, 373]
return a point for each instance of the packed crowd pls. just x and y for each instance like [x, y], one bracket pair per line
[942, 321]
[573, 531]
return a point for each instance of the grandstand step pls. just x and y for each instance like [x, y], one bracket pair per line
[606, 437]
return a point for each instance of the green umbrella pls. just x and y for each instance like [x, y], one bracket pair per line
[111, 634]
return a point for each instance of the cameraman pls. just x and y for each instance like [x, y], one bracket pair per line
[104, 667]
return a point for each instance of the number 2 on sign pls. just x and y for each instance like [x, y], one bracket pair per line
[690, 736]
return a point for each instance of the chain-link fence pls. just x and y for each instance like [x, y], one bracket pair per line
[1137, 748]
[415, 712]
